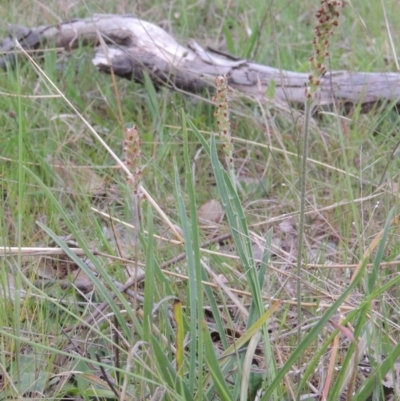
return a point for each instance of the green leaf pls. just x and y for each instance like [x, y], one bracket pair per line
[192, 249]
[180, 336]
[251, 43]
[213, 366]
[228, 37]
[168, 372]
[149, 279]
[372, 277]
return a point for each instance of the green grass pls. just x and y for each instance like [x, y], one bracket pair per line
[55, 178]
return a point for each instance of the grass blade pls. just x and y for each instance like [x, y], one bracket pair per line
[180, 337]
[213, 366]
[149, 281]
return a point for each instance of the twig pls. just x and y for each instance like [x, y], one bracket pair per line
[106, 378]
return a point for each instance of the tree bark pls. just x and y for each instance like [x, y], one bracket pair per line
[130, 46]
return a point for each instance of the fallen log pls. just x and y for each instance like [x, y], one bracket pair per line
[130, 46]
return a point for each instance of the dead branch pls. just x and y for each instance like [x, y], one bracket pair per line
[131, 46]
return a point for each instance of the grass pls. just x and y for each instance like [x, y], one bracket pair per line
[214, 324]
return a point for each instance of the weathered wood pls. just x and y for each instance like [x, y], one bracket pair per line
[131, 46]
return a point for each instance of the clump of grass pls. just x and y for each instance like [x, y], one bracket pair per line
[145, 340]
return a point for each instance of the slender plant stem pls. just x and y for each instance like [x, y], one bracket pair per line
[327, 18]
[303, 181]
